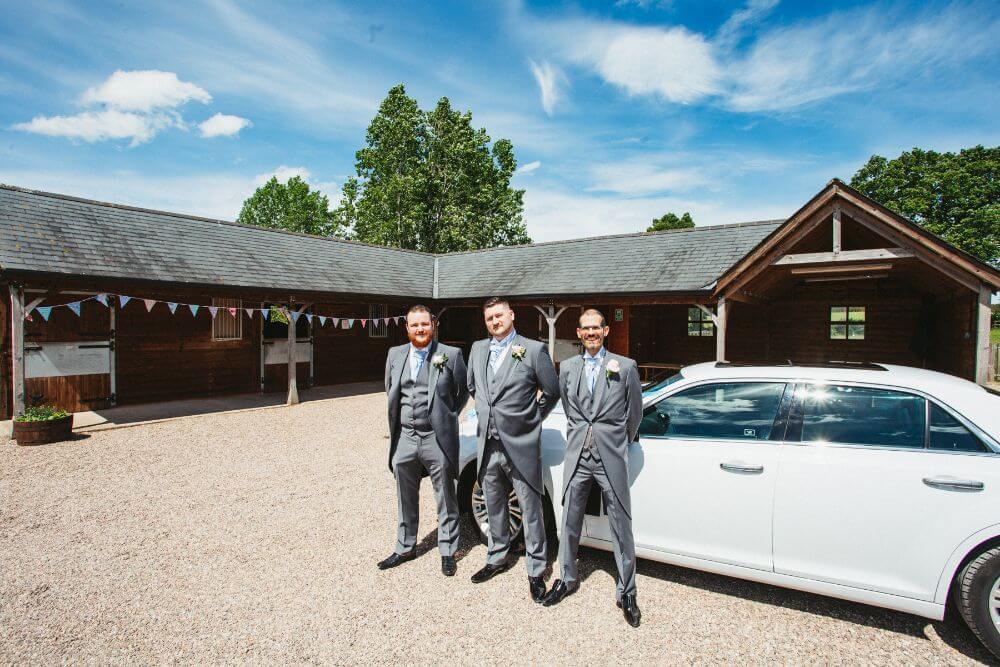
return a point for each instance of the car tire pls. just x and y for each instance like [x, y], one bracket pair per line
[977, 596]
[479, 520]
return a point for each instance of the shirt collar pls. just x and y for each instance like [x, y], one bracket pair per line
[600, 354]
[414, 350]
[505, 341]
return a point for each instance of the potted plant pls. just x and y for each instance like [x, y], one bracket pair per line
[41, 424]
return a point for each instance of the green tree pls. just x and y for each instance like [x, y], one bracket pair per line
[292, 206]
[956, 196]
[671, 221]
[430, 181]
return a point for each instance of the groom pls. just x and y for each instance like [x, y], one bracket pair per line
[506, 372]
[426, 388]
[602, 399]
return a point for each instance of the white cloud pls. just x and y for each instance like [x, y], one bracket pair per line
[550, 83]
[221, 125]
[528, 168]
[283, 173]
[91, 126]
[636, 177]
[732, 30]
[144, 90]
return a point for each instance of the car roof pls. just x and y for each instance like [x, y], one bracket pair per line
[969, 399]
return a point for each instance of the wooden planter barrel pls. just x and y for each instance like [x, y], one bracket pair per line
[40, 433]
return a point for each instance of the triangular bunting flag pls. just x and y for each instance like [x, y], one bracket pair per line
[194, 308]
[385, 321]
[249, 312]
[172, 306]
[364, 321]
[232, 311]
[309, 318]
[295, 315]
[350, 323]
[336, 322]
[103, 298]
[265, 313]
[44, 311]
[213, 310]
[149, 304]
[322, 320]
[124, 299]
[75, 307]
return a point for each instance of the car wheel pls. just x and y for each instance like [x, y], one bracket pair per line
[977, 595]
[480, 517]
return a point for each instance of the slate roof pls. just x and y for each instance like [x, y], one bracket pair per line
[676, 260]
[42, 232]
[50, 233]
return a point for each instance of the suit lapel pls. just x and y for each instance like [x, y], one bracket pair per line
[432, 373]
[481, 363]
[576, 375]
[404, 365]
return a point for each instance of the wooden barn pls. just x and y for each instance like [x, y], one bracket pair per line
[106, 304]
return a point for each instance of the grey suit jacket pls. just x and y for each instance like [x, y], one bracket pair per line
[615, 416]
[517, 409]
[447, 393]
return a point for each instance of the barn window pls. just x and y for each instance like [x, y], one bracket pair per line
[699, 323]
[377, 328]
[847, 322]
[226, 325]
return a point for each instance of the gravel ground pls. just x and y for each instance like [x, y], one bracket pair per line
[254, 537]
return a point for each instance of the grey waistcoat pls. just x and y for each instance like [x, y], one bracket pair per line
[413, 413]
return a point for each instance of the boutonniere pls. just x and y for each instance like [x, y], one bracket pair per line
[612, 369]
[439, 361]
[517, 352]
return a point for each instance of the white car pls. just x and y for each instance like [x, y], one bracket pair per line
[873, 483]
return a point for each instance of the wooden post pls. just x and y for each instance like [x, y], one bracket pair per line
[17, 346]
[984, 315]
[551, 316]
[720, 330]
[836, 230]
[293, 389]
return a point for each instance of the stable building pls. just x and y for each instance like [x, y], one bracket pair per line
[105, 304]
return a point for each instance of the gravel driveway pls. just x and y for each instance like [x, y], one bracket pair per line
[254, 536]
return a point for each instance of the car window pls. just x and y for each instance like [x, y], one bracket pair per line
[949, 434]
[862, 416]
[733, 410]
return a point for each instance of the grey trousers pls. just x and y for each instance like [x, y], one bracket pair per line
[414, 454]
[497, 478]
[589, 470]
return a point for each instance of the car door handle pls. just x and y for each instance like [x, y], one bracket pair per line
[742, 468]
[953, 483]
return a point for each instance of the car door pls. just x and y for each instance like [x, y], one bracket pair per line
[881, 488]
[704, 472]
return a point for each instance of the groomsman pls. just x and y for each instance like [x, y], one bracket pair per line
[506, 373]
[602, 399]
[426, 386]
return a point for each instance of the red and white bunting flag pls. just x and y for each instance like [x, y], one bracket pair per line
[232, 311]
[363, 321]
[149, 304]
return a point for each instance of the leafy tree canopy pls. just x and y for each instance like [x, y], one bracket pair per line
[292, 206]
[671, 221]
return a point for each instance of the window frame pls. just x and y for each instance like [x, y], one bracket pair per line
[238, 317]
[378, 311]
[779, 426]
[705, 318]
[846, 323]
[793, 433]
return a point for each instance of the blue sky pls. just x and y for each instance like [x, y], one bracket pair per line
[619, 112]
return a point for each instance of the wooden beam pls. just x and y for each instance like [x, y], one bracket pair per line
[293, 388]
[844, 256]
[846, 268]
[551, 316]
[919, 251]
[830, 279]
[984, 313]
[17, 346]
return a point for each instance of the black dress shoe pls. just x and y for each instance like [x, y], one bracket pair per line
[448, 566]
[630, 609]
[560, 589]
[537, 587]
[491, 570]
[397, 559]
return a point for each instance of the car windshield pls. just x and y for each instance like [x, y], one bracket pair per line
[657, 386]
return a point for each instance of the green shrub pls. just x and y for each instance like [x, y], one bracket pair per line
[41, 413]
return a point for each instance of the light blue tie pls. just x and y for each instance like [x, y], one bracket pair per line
[495, 351]
[421, 356]
[591, 372]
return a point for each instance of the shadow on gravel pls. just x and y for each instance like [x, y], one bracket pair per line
[952, 630]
